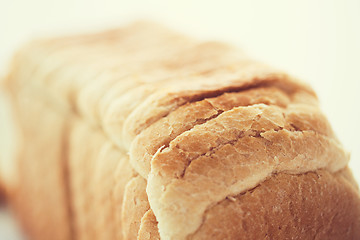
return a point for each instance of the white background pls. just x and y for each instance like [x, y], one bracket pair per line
[315, 40]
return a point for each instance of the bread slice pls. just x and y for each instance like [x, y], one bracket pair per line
[142, 133]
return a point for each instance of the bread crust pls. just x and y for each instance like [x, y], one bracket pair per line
[313, 205]
[172, 138]
[148, 227]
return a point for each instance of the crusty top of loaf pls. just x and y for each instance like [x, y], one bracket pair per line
[200, 120]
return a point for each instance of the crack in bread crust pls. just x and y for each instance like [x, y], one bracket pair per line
[249, 131]
[277, 168]
[161, 133]
[171, 165]
[163, 103]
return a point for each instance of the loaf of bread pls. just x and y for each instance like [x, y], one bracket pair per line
[142, 133]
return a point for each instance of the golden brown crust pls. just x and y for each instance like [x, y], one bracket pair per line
[203, 125]
[134, 207]
[148, 227]
[123, 174]
[238, 76]
[162, 132]
[230, 154]
[315, 205]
